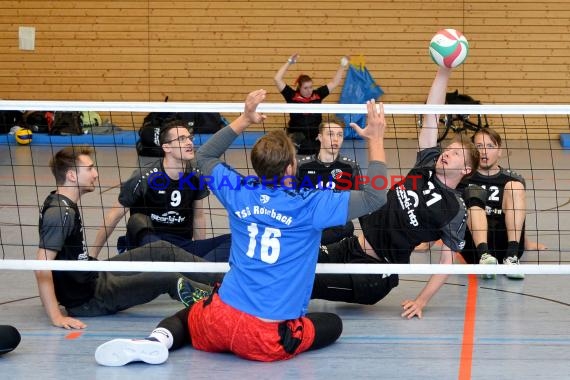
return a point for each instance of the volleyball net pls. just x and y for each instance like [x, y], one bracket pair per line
[531, 147]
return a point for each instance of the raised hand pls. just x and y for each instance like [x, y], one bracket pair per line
[293, 58]
[253, 99]
[376, 123]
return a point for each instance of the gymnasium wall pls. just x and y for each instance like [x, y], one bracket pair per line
[220, 50]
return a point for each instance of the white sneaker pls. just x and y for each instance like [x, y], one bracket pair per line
[487, 259]
[118, 352]
[513, 260]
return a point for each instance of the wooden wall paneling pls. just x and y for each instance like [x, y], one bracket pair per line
[219, 50]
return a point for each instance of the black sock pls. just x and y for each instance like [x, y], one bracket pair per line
[481, 249]
[513, 249]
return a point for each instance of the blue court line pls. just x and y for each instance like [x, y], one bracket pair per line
[348, 339]
[561, 341]
[397, 338]
[457, 339]
[84, 334]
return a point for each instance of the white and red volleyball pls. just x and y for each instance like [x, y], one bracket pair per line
[448, 48]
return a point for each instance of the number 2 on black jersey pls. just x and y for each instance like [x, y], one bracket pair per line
[493, 193]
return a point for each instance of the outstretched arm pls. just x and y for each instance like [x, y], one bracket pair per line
[370, 199]
[209, 154]
[414, 308]
[428, 133]
[47, 295]
[338, 75]
[278, 78]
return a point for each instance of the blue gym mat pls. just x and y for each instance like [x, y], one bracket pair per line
[565, 140]
[247, 139]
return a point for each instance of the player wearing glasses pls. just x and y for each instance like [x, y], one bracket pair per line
[165, 201]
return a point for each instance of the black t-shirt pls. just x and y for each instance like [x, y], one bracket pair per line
[418, 209]
[339, 174]
[495, 187]
[305, 122]
[169, 203]
[61, 230]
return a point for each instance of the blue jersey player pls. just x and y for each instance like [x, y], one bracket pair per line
[260, 310]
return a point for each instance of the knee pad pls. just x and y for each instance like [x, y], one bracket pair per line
[371, 288]
[328, 328]
[474, 195]
[137, 226]
[9, 338]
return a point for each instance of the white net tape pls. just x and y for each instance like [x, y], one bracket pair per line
[142, 266]
[396, 109]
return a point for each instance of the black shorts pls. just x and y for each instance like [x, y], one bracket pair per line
[497, 241]
[354, 288]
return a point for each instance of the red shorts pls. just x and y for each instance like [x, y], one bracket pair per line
[217, 327]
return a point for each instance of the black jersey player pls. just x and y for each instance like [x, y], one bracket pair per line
[328, 169]
[425, 206]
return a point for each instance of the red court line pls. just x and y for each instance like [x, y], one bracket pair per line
[466, 361]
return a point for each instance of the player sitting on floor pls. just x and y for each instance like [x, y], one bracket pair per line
[260, 310]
